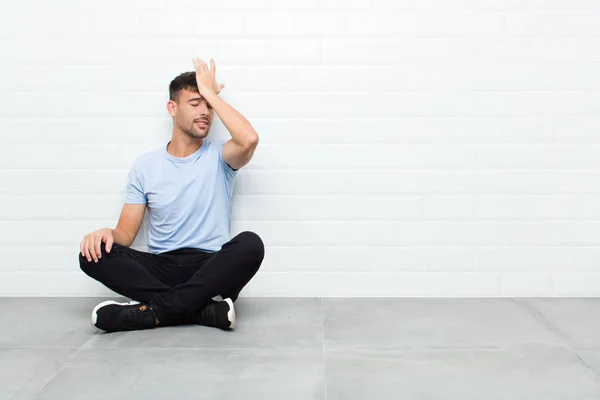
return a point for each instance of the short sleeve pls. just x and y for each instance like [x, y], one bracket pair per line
[230, 172]
[134, 193]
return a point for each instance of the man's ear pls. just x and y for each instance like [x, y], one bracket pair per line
[171, 108]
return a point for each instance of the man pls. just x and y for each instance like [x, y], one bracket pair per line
[194, 271]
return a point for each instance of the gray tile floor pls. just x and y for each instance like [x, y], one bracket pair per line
[310, 348]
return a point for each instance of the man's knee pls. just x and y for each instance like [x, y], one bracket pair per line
[253, 244]
[89, 266]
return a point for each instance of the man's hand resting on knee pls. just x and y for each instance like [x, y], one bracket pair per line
[90, 245]
[127, 229]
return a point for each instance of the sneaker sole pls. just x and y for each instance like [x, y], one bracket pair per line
[105, 303]
[230, 313]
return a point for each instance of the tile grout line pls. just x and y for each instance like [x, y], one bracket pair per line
[542, 321]
[69, 358]
[50, 379]
[47, 348]
[546, 324]
[323, 345]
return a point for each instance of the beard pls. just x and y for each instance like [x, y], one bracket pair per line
[195, 132]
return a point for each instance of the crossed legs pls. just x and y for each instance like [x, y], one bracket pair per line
[178, 287]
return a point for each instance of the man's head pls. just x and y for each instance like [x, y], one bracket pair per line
[191, 112]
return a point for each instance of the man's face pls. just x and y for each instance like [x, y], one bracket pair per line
[193, 114]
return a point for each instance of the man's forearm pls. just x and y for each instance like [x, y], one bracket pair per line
[122, 238]
[238, 126]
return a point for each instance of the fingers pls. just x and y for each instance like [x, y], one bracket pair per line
[200, 66]
[109, 243]
[81, 246]
[96, 248]
[202, 69]
[86, 248]
[90, 247]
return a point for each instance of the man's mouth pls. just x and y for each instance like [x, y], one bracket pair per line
[202, 123]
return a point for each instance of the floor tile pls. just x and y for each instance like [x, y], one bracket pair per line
[551, 374]
[575, 320]
[25, 371]
[378, 324]
[184, 374]
[47, 322]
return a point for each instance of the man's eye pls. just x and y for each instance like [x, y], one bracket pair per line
[194, 104]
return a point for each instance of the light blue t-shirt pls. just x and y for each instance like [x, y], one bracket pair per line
[188, 199]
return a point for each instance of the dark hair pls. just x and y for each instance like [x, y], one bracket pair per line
[184, 81]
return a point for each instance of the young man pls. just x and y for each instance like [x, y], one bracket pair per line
[194, 271]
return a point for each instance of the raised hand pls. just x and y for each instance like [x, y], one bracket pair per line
[205, 78]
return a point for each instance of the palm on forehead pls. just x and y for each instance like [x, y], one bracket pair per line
[205, 77]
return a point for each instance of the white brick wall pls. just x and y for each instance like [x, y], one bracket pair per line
[408, 147]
